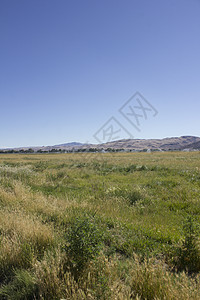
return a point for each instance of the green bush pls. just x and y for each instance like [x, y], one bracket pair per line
[186, 256]
[84, 240]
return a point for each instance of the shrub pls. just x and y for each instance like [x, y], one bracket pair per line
[186, 256]
[84, 239]
[134, 196]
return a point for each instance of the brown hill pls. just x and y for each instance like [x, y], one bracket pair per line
[172, 143]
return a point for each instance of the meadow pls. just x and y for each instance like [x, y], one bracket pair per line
[100, 226]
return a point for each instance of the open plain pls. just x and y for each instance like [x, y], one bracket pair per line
[100, 226]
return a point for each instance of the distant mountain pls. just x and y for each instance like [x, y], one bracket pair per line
[170, 143]
[195, 146]
[72, 144]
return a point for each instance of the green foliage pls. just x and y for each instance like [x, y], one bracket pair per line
[27, 254]
[84, 241]
[40, 166]
[100, 279]
[22, 287]
[187, 254]
[134, 196]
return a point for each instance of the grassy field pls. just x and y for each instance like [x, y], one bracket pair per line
[100, 226]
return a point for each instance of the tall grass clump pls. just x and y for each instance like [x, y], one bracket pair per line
[54, 281]
[151, 279]
[23, 286]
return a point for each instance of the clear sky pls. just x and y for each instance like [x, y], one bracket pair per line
[68, 66]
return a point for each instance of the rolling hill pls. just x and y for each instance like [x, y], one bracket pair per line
[169, 143]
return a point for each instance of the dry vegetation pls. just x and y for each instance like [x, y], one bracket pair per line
[100, 226]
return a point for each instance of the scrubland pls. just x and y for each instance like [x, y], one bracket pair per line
[100, 226]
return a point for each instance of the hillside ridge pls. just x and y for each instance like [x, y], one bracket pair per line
[168, 143]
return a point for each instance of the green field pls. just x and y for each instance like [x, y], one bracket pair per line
[100, 226]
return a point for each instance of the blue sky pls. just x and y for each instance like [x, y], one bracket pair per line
[67, 67]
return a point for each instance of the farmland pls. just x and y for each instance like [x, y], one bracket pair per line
[100, 226]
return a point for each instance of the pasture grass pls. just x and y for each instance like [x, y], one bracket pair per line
[100, 226]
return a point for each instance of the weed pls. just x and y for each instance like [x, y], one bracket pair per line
[186, 256]
[83, 241]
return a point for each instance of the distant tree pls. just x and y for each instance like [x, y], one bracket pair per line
[53, 150]
[30, 150]
[39, 151]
